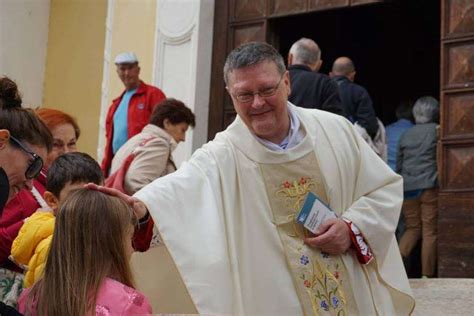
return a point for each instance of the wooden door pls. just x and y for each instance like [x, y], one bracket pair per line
[240, 21]
[456, 146]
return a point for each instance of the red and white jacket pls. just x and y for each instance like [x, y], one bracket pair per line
[140, 108]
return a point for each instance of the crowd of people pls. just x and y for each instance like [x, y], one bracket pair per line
[409, 149]
[219, 234]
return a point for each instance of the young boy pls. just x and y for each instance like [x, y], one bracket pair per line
[67, 173]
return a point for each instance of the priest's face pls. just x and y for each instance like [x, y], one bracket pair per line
[260, 93]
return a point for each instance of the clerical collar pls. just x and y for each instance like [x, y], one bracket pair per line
[294, 137]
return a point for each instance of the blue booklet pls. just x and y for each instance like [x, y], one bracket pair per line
[314, 212]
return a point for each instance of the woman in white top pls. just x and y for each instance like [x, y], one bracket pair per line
[147, 156]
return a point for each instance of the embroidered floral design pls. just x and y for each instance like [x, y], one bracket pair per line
[304, 260]
[324, 305]
[323, 286]
[319, 275]
[294, 194]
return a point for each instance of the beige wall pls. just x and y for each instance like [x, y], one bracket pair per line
[130, 27]
[74, 64]
[23, 43]
[133, 30]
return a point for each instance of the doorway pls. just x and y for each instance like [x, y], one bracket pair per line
[395, 47]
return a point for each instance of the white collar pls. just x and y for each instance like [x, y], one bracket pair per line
[294, 137]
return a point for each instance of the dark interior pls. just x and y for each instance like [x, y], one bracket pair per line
[395, 46]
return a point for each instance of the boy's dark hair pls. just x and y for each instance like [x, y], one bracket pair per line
[72, 167]
[173, 110]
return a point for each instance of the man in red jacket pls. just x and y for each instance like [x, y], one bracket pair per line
[130, 112]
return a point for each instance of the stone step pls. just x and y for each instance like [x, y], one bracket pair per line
[443, 296]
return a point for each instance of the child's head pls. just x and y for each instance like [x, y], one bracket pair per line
[68, 172]
[92, 240]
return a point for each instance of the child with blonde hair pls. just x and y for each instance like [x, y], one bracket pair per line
[87, 271]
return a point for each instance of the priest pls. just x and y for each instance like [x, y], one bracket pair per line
[227, 217]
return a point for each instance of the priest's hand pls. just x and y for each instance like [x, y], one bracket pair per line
[138, 206]
[333, 237]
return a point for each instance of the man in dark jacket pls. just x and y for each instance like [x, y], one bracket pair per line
[310, 89]
[355, 99]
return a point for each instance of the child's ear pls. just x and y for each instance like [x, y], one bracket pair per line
[51, 200]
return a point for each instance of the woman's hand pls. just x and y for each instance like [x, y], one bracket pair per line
[138, 206]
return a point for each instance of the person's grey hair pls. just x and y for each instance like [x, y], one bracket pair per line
[251, 54]
[426, 110]
[305, 51]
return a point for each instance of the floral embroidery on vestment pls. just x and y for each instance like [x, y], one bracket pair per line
[319, 273]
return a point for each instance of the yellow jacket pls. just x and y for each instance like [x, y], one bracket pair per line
[30, 248]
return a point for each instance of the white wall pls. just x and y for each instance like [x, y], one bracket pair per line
[24, 28]
[105, 99]
[183, 62]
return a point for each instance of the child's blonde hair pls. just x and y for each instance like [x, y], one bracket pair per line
[88, 245]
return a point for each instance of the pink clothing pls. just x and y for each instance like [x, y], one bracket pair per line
[114, 298]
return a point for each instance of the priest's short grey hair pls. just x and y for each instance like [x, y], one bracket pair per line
[426, 110]
[251, 54]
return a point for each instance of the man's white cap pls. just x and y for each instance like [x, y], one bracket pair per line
[126, 58]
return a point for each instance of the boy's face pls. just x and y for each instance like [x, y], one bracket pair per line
[54, 201]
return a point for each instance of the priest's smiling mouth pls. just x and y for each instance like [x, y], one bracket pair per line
[260, 113]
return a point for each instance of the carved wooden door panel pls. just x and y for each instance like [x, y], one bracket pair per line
[236, 22]
[456, 146]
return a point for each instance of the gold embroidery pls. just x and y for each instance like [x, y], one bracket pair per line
[321, 285]
[294, 194]
[321, 281]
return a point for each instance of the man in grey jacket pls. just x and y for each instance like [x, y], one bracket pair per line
[416, 162]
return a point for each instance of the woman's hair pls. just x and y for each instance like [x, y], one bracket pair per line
[88, 245]
[54, 118]
[9, 95]
[426, 110]
[22, 123]
[173, 110]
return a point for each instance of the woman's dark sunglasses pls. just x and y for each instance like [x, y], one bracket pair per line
[36, 164]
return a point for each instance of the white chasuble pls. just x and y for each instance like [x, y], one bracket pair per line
[227, 220]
